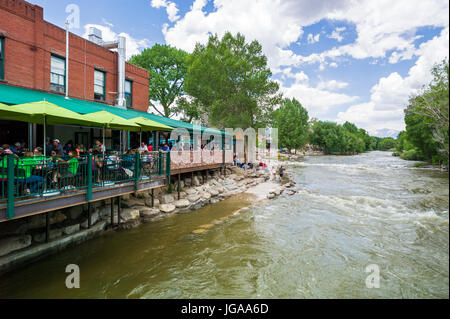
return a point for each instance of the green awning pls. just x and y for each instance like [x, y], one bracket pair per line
[111, 121]
[149, 125]
[43, 112]
[15, 95]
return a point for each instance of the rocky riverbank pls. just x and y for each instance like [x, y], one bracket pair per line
[24, 239]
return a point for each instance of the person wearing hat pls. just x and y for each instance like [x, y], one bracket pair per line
[57, 147]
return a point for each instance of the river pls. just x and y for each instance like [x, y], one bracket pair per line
[349, 212]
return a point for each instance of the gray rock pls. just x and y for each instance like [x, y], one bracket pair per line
[190, 191]
[129, 214]
[133, 202]
[39, 221]
[75, 212]
[195, 181]
[148, 202]
[14, 243]
[270, 196]
[125, 197]
[149, 212]
[206, 195]
[213, 192]
[94, 218]
[166, 199]
[167, 208]
[53, 234]
[68, 230]
[193, 198]
[182, 203]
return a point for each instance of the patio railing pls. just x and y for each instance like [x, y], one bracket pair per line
[42, 177]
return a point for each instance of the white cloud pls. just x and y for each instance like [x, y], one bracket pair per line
[171, 8]
[133, 46]
[109, 24]
[313, 38]
[336, 34]
[390, 95]
[318, 101]
[332, 85]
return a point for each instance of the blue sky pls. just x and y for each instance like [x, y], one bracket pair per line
[343, 60]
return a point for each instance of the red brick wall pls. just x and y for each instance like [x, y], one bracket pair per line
[30, 41]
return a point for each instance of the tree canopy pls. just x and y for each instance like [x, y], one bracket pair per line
[427, 120]
[291, 119]
[229, 81]
[168, 67]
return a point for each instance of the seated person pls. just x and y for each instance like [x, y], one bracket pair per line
[67, 171]
[33, 182]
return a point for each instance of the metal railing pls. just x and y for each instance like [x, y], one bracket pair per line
[41, 177]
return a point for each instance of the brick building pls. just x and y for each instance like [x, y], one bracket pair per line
[32, 56]
[33, 50]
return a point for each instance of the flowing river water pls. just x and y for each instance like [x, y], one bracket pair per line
[349, 212]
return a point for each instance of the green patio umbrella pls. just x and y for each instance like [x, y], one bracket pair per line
[149, 125]
[44, 113]
[112, 121]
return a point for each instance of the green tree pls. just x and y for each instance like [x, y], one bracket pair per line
[330, 136]
[427, 117]
[168, 67]
[292, 123]
[230, 82]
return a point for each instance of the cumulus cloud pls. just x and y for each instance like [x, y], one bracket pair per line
[332, 85]
[171, 8]
[337, 34]
[133, 45]
[390, 95]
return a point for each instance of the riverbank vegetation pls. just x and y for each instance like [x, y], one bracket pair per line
[427, 121]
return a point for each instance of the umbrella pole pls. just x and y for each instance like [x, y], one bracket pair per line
[140, 137]
[104, 147]
[45, 148]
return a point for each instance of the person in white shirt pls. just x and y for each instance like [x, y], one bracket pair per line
[143, 148]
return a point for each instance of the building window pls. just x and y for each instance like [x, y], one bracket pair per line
[58, 74]
[128, 94]
[2, 58]
[99, 85]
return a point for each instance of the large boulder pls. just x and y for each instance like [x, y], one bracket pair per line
[193, 198]
[148, 202]
[149, 212]
[53, 234]
[167, 208]
[10, 244]
[75, 212]
[94, 218]
[166, 199]
[129, 214]
[68, 230]
[205, 195]
[195, 181]
[133, 202]
[39, 221]
[182, 203]
[213, 192]
[190, 191]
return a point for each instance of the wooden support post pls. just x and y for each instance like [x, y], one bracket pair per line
[153, 197]
[89, 215]
[47, 227]
[206, 174]
[119, 199]
[112, 211]
[192, 179]
[179, 183]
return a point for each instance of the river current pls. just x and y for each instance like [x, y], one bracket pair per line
[349, 212]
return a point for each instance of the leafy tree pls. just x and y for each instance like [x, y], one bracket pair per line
[168, 67]
[330, 136]
[427, 117]
[230, 82]
[292, 124]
